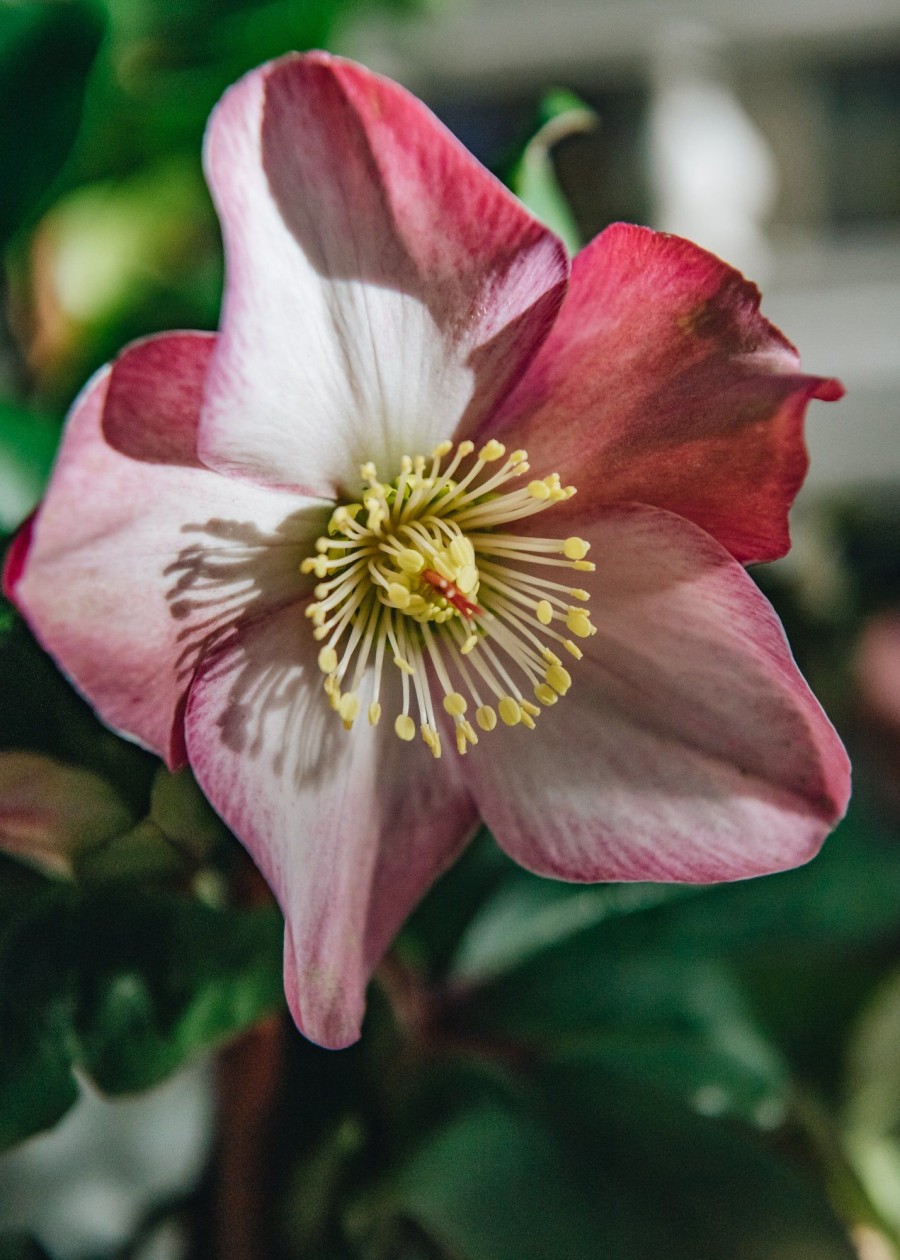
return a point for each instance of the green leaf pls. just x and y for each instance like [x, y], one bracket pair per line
[27, 445]
[495, 1184]
[46, 53]
[162, 978]
[36, 1010]
[845, 897]
[17, 1247]
[678, 1023]
[712, 1188]
[533, 177]
[125, 983]
[573, 1165]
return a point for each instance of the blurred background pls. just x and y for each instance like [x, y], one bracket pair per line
[767, 132]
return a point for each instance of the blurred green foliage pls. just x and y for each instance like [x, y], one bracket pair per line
[623, 1072]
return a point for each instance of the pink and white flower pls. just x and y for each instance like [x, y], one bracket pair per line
[333, 490]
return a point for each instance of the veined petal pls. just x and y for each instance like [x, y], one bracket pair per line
[661, 383]
[688, 748]
[140, 558]
[348, 828]
[380, 283]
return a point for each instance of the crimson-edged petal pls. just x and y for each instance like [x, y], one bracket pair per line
[661, 383]
[689, 748]
[140, 558]
[348, 828]
[381, 285]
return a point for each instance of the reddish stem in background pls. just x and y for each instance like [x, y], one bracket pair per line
[248, 1080]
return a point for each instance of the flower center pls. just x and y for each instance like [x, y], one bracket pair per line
[421, 572]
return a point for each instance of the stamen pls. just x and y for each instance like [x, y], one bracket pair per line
[424, 568]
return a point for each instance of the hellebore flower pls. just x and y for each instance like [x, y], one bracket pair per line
[335, 490]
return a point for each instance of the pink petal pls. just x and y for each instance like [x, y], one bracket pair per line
[140, 558]
[661, 383]
[349, 829]
[50, 812]
[381, 284]
[688, 748]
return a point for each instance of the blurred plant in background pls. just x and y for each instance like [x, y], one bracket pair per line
[546, 1071]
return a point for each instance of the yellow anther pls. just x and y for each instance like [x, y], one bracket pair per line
[320, 632]
[576, 548]
[310, 610]
[570, 491]
[510, 713]
[455, 704]
[442, 449]
[331, 685]
[544, 611]
[539, 490]
[404, 666]
[486, 717]
[410, 561]
[584, 566]
[322, 544]
[519, 470]
[320, 566]
[307, 565]
[432, 739]
[343, 516]
[470, 642]
[405, 727]
[468, 730]
[460, 741]
[348, 708]
[367, 472]
[517, 457]
[528, 721]
[573, 649]
[577, 593]
[374, 713]
[559, 679]
[398, 595]
[443, 566]
[405, 464]
[550, 657]
[467, 579]
[579, 624]
[546, 694]
[491, 450]
[328, 660]
[527, 707]
[461, 551]
[466, 447]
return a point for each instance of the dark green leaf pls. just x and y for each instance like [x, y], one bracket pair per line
[27, 446]
[574, 1165]
[162, 978]
[37, 1042]
[495, 1184]
[675, 1022]
[711, 1188]
[16, 1247]
[46, 52]
[127, 984]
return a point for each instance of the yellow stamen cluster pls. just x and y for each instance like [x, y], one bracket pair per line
[419, 574]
